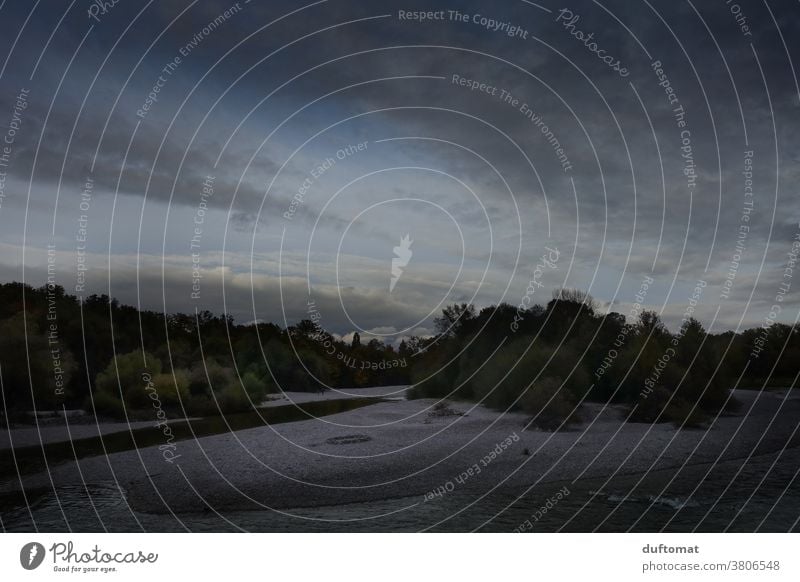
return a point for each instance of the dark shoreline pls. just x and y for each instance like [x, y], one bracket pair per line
[30, 459]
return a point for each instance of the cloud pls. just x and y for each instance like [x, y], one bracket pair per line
[337, 75]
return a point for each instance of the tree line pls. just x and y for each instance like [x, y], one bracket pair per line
[547, 360]
[115, 360]
[96, 354]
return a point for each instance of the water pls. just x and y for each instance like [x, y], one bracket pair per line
[31, 459]
[734, 496]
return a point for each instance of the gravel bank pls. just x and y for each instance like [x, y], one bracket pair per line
[398, 449]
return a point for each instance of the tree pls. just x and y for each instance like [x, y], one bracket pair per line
[650, 324]
[547, 402]
[455, 319]
[255, 387]
[35, 373]
[403, 350]
[305, 329]
[569, 295]
[128, 376]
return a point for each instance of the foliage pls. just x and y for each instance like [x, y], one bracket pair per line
[549, 404]
[566, 352]
[551, 358]
[37, 374]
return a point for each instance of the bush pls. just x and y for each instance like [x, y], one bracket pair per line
[504, 379]
[255, 387]
[435, 375]
[548, 402]
[202, 405]
[127, 373]
[649, 408]
[309, 371]
[661, 405]
[106, 405]
[233, 398]
[212, 375]
[28, 366]
[172, 389]
[497, 384]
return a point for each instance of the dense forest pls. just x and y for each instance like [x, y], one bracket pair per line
[56, 351]
[547, 360]
[113, 359]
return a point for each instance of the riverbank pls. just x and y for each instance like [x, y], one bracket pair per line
[58, 429]
[399, 449]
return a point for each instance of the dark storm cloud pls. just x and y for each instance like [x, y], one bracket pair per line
[731, 83]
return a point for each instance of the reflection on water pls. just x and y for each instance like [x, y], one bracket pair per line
[758, 499]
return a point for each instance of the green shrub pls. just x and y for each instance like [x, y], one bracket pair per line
[255, 387]
[106, 405]
[548, 402]
[435, 374]
[650, 406]
[202, 405]
[661, 405]
[28, 366]
[128, 373]
[501, 381]
[215, 376]
[172, 389]
[233, 398]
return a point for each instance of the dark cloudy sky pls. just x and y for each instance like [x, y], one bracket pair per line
[268, 91]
